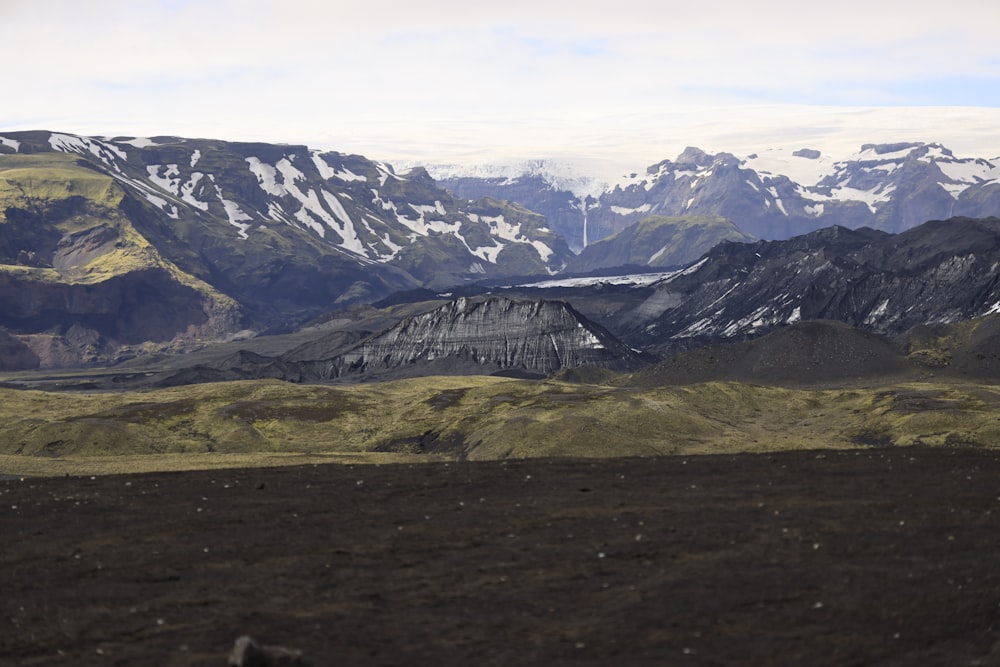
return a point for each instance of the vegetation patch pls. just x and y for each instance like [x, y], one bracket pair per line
[316, 412]
[477, 418]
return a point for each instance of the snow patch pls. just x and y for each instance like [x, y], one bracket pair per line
[967, 172]
[543, 250]
[166, 177]
[12, 143]
[325, 170]
[781, 161]
[621, 210]
[487, 253]
[877, 312]
[236, 216]
[777, 200]
[424, 209]
[346, 229]
[266, 177]
[500, 228]
[349, 176]
[657, 254]
[139, 142]
[282, 180]
[195, 157]
[187, 191]
[106, 153]
[638, 280]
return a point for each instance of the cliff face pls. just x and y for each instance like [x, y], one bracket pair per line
[498, 333]
[467, 336]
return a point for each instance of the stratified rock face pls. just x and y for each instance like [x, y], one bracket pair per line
[495, 334]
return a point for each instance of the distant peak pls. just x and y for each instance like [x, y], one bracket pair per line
[808, 153]
[693, 155]
[882, 149]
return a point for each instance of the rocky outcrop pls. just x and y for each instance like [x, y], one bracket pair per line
[467, 336]
[488, 335]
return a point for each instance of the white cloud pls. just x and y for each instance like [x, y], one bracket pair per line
[451, 75]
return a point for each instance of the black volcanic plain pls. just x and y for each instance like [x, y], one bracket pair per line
[882, 556]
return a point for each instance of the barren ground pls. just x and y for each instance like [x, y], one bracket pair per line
[873, 557]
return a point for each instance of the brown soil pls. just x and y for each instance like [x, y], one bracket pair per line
[887, 557]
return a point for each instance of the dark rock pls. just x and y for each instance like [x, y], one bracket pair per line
[491, 334]
[15, 355]
[803, 354]
[247, 653]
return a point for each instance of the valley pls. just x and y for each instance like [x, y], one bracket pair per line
[258, 388]
[169, 296]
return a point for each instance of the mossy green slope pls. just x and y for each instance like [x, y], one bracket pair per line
[68, 247]
[490, 418]
[43, 177]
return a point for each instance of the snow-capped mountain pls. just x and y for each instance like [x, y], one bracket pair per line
[772, 194]
[558, 190]
[234, 235]
[359, 208]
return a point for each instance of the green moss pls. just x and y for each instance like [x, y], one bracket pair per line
[489, 418]
[47, 177]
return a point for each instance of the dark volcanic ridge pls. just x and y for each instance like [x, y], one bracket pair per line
[830, 353]
[466, 336]
[940, 272]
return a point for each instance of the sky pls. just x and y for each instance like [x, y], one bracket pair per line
[614, 84]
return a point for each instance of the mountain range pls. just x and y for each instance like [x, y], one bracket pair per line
[114, 248]
[832, 305]
[773, 194]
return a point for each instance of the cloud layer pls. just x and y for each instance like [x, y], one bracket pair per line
[397, 72]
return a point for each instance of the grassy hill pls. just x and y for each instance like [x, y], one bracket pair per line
[264, 422]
